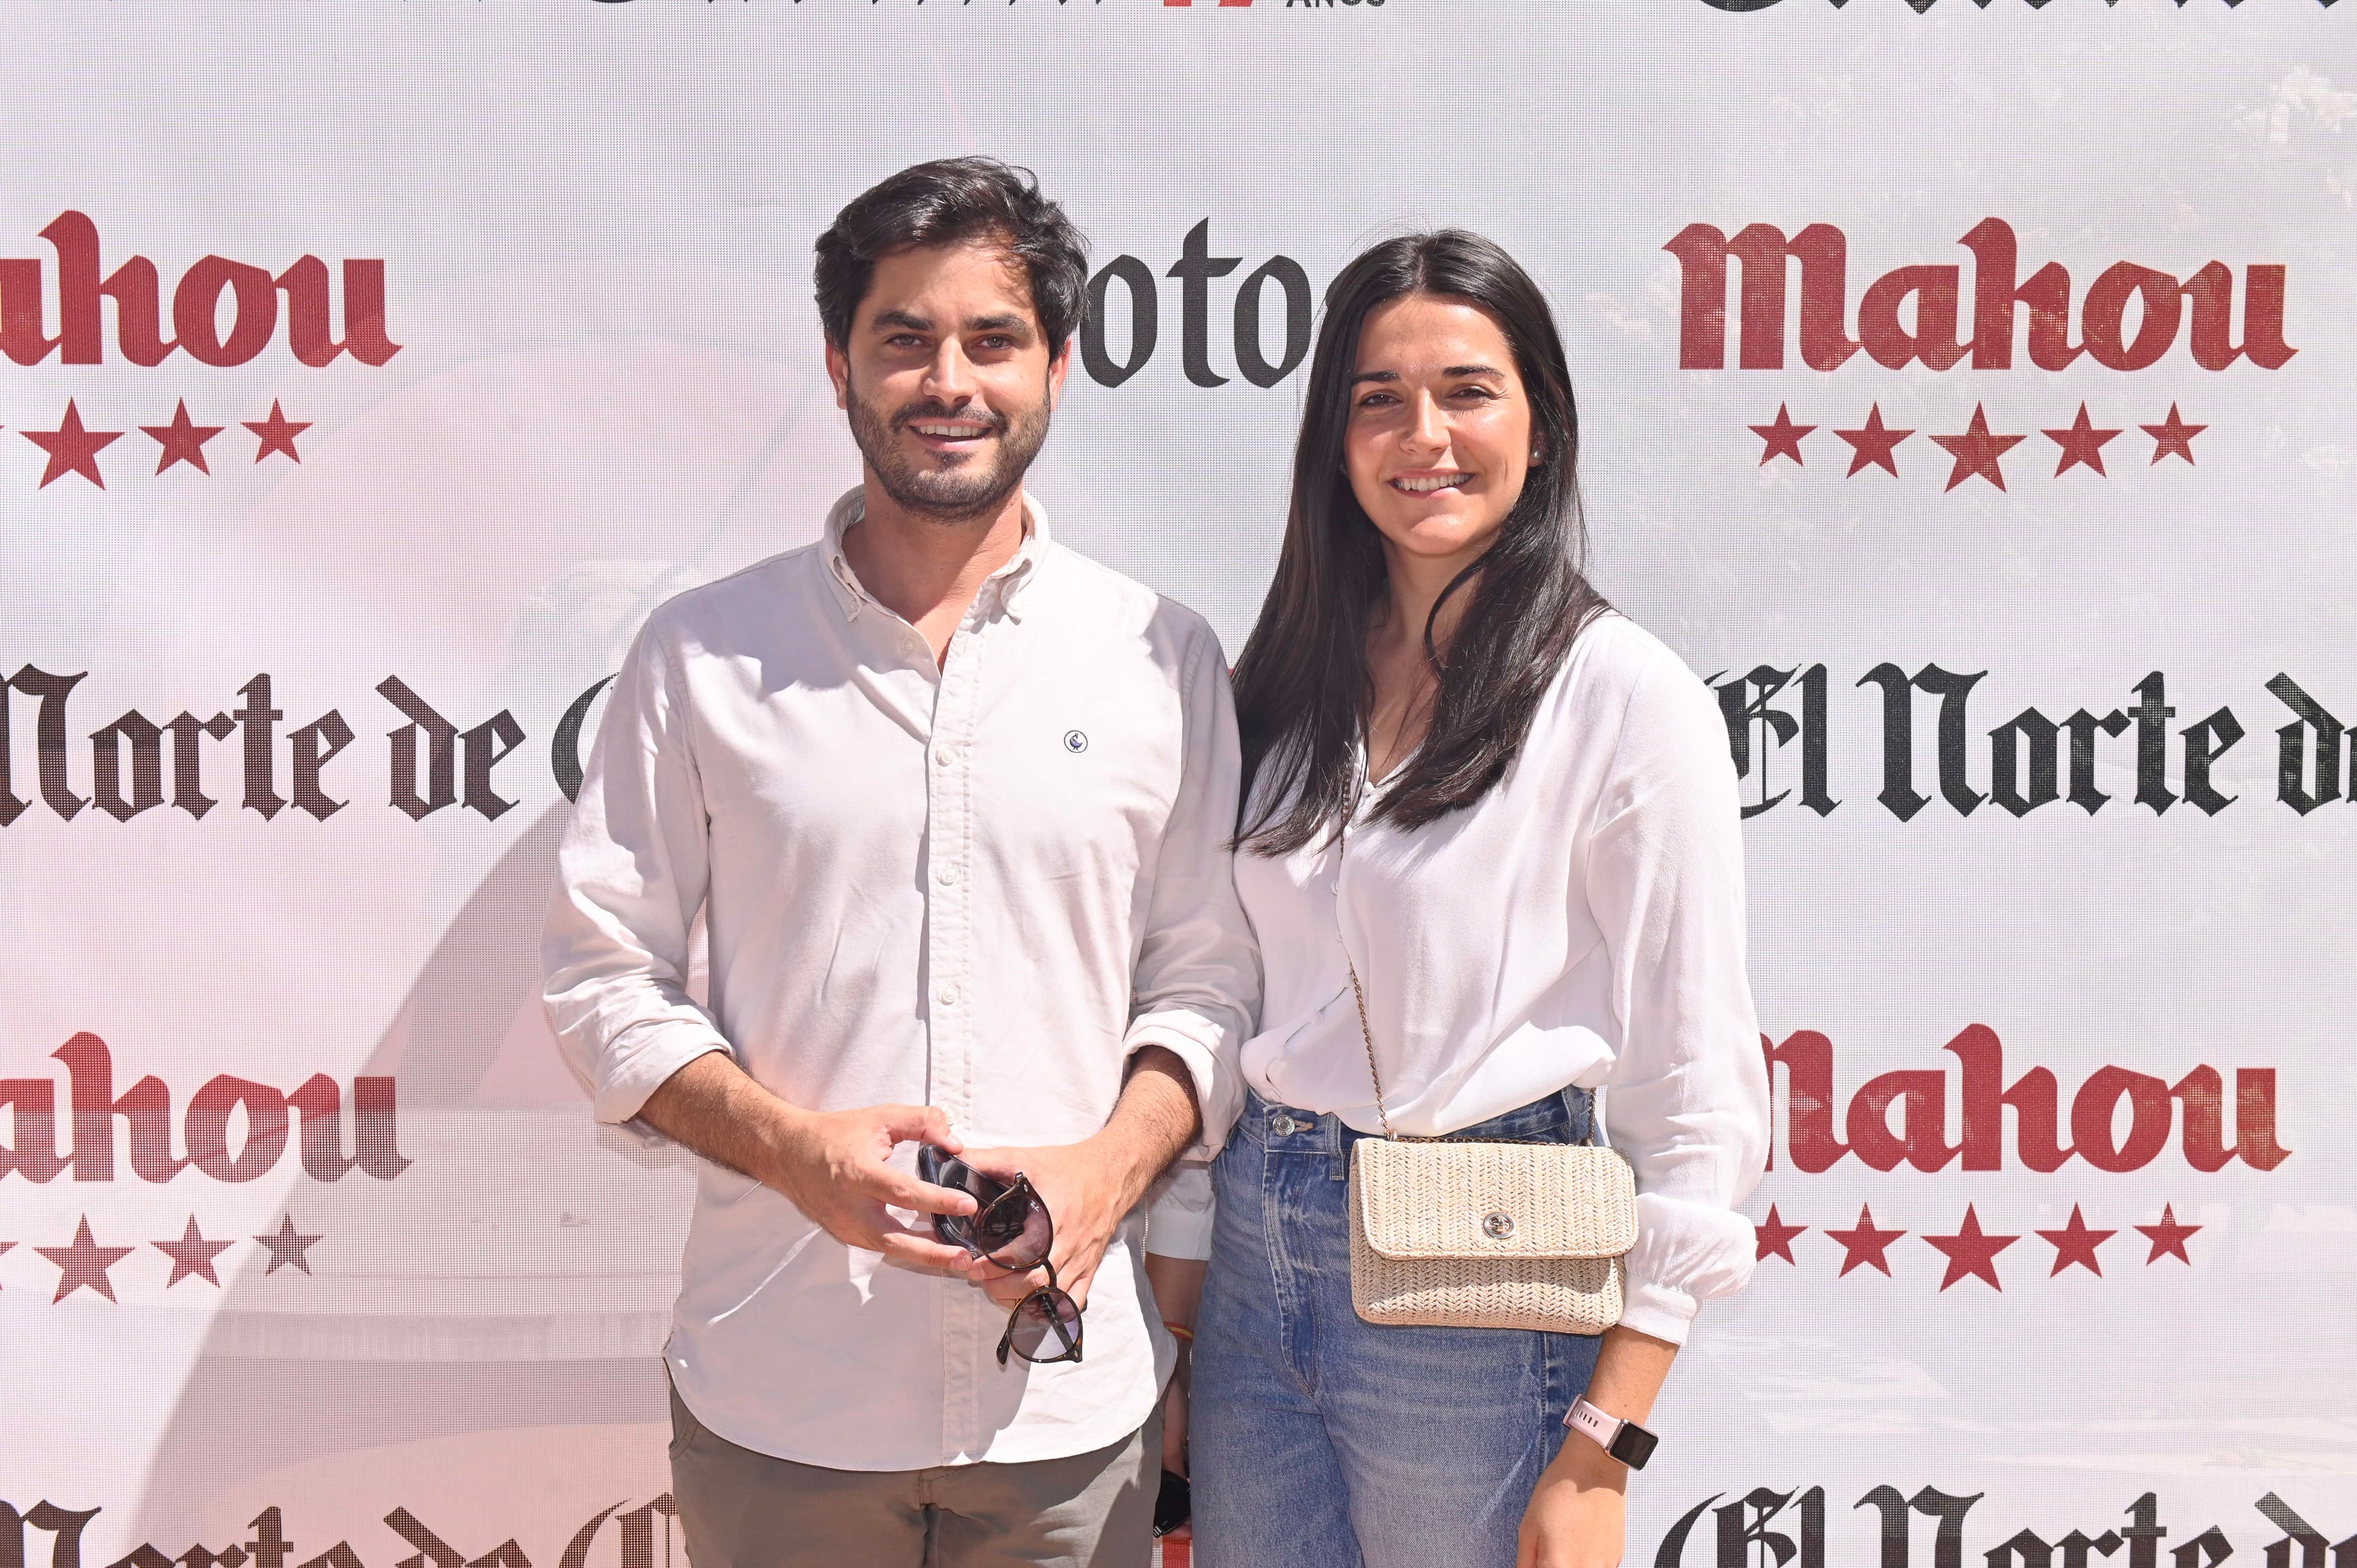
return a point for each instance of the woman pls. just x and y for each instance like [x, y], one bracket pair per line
[1512, 812]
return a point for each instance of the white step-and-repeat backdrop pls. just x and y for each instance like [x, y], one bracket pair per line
[1968, 392]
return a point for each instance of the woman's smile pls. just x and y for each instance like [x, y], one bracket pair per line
[1431, 481]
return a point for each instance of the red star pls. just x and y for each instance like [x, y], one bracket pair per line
[72, 450]
[183, 443]
[1776, 1236]
[1977, 451]
[286, 1247]
[2082, 443]
[84, 1264]
[277, 433]
[1872, 445]
[192, 1255]
[1864, 1244]
[1783, 437]
[1971, 1251]
[2177, 437]
[2167, 1237]
[2075, 1243]
[6, 1245]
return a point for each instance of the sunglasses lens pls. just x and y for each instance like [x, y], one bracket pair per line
[1046, 1327]
[1014, 1232]
[1011, 1228]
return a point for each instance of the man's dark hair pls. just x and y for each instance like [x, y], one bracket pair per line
[944, 203]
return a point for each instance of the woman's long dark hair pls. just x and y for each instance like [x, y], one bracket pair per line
[1303, 689]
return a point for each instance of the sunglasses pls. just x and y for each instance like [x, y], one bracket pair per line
[1013, 1229]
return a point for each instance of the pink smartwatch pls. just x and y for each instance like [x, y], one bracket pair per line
[1624, 1440]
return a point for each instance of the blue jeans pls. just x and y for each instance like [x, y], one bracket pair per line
[1318, 1440]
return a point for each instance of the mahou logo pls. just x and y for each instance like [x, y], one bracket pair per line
[205, 1130]
[1936, 293]
[2128, 320]
[2040, 1119]
[136, 289]
[220, 312]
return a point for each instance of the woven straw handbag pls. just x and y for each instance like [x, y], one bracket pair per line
[1456, 1234]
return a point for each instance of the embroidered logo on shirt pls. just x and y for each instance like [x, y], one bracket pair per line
[1075, 742]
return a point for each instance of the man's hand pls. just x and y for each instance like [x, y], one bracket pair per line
[829, 1164]
[1091, 1186]
[1579, 1513]
[1087, 1190]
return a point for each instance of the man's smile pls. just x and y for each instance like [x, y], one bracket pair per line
[951, 434]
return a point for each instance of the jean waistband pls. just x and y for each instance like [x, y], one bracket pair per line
[1565, 1116]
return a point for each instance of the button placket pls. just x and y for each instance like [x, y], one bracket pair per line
[948, 968]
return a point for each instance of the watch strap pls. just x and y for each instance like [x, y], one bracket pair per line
[1624, 1440]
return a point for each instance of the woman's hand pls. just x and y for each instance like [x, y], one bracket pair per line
[1579, 1514]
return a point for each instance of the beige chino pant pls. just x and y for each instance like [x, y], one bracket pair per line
[742, 1510]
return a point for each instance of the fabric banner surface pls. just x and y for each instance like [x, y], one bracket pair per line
[1967, 394]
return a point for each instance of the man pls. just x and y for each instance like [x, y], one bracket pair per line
[953, 801]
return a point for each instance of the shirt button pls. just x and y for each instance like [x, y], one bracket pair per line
[946, 876]
[947, 756]
[949, 997]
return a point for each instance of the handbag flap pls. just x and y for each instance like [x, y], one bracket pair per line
[1441, 1200]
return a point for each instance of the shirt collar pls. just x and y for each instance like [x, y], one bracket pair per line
[1008, 582]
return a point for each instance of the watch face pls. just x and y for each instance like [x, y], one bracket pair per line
[1634, 1445]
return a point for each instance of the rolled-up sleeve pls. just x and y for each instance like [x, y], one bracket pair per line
[1687, 1099]
[631, 874]
[1196, 985]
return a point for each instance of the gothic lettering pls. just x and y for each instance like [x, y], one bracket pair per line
[1999, 293]
[1145, 308]
[1702, 251]
[1916, 1135]
[1194, 269]
[249, 295]
[146, 1109]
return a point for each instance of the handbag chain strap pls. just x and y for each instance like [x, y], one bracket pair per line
[1367, 1035]
[1342, 848]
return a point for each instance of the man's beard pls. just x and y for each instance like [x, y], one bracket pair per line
[972, 490]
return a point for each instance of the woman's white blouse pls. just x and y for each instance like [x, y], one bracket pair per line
[1581, 924]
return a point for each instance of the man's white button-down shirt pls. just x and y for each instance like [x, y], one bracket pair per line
[981, 885]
